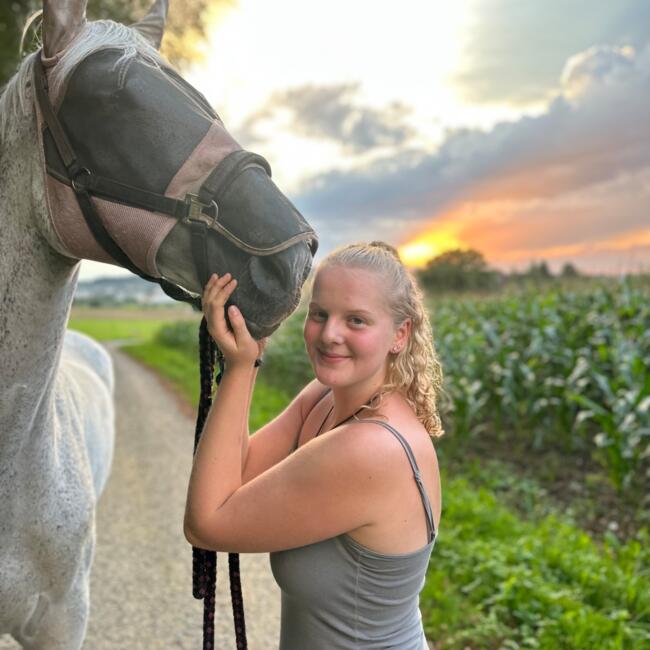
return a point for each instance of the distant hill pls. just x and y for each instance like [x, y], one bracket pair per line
[118, 291]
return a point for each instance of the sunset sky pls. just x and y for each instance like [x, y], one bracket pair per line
[521, 129]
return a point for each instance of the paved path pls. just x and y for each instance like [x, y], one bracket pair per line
[141, 596]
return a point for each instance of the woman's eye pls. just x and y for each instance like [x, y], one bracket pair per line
[357, 321]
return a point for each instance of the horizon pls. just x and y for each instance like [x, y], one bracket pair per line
[102, 271]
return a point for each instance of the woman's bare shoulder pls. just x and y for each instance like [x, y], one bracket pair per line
[310, 395]
[400, 416]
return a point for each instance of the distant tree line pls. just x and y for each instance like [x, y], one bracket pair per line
[467, 270]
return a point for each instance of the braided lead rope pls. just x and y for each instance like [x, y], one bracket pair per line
[204, 563]
[237, 601]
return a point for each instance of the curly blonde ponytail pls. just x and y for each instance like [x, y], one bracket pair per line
[415, 371]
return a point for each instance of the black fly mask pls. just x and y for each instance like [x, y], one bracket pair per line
[111, 191]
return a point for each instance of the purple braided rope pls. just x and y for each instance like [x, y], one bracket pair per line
[204, 563]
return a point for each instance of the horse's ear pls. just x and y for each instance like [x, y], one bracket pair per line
[152, 25]
[62, 21]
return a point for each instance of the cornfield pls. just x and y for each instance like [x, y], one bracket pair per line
[571, 369]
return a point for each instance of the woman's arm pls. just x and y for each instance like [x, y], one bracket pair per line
[246, 431]
[333, 484]
[273, 442]
[217, 468]
[265, 449]
[221, 452]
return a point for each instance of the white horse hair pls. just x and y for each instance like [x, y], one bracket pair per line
[56, 404]
[16, 100]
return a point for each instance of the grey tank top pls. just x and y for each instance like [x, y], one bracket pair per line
[340, 595]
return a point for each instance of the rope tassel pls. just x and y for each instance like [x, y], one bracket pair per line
[204, 563]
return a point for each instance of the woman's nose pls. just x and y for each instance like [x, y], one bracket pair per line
[331, 332]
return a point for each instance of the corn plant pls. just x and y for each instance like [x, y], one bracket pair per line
[567, 369]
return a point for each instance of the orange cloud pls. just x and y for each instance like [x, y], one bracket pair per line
[602, 230]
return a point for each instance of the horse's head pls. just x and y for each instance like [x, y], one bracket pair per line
[141, 172]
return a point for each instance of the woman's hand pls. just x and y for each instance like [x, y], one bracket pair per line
[238, 346]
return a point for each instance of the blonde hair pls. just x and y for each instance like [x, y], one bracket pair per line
[415, 371]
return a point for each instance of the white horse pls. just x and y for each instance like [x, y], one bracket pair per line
[56, 412]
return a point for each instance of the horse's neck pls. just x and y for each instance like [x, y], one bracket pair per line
[36, 288]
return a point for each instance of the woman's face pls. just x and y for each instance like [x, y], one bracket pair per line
[349, 331]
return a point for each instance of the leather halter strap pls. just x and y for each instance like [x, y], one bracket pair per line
[86, 205]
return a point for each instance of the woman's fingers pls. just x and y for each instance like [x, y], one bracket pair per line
[216, 293]
[238, 344]
[219, 288]
[237, 321]
[240, 330]
[208, 287]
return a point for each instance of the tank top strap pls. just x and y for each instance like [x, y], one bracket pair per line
[416, 474]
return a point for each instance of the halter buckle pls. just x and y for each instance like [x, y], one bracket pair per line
[198, 211]
[78, 186]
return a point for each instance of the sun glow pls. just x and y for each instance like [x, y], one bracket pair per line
[425, 247]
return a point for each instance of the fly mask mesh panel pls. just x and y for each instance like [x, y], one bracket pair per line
[138, 125]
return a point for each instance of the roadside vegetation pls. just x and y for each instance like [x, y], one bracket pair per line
[544, 535]
[103, 329]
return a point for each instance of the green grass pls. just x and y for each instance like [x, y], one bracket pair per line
[173, 364]
[267, 402]
[181, 369]
[109, 329]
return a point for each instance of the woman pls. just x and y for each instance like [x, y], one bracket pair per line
[328, 486]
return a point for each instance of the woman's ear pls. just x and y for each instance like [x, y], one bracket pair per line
[401, 336]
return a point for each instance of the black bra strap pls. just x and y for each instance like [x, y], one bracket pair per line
[318, 401]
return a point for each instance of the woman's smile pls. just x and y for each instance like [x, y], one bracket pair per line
[332, 358]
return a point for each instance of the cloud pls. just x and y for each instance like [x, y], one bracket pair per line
[578, 172]
[596, 66]
[331, 113]
[609, 216]
[516, 51]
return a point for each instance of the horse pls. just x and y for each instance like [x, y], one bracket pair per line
[106, 154]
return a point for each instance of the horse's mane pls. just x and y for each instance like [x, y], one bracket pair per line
[16, 100]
